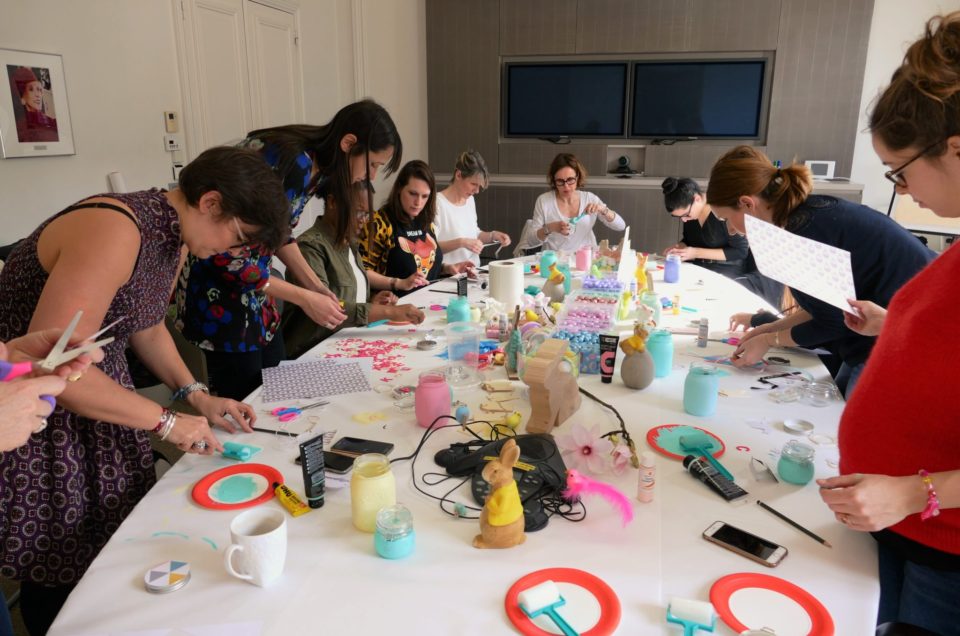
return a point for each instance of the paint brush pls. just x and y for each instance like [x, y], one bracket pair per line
[796, 525]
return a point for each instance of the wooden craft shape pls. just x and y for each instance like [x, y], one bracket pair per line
[554, 395]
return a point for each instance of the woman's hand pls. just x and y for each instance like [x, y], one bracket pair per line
[872, 502]
[322, 289]
[406, 313]
[384, 298]
[216, 409]
[474, 245]
[35, 347]
[560, 227]
[463, 267]
[322, 309]
[752, 348]
[190, 429]
[22, 411]
[412, 281]
[500, 237]
[740, 321]
[869, 322]
[684, 252]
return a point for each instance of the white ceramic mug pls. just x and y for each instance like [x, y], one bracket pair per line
[259, 537]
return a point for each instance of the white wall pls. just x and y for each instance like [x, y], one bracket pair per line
[120, 64]
[120, 69]
[896, 24]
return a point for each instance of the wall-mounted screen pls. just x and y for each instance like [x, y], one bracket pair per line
[565, 100]
[698, 99]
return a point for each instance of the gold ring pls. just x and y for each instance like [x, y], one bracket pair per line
[73, 377]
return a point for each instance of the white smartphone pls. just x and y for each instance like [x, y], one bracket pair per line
[745, 544]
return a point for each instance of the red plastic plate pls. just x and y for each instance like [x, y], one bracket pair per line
[201, 491]
[609, 603]
[673, 450]
[723, 589]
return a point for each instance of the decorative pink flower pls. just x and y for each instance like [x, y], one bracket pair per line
[585, 450]
[621, 458]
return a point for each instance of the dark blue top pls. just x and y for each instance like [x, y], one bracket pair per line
[883, 256]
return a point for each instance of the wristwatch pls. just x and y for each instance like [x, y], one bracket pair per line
[546, 228]
[393, 284]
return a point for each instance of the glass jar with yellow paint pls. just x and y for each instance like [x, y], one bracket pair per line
[372, 487]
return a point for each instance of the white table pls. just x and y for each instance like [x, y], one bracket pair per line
[334, 582]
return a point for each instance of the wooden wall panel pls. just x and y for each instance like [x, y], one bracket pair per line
[463, 80]
[535, 158]
[538, 27]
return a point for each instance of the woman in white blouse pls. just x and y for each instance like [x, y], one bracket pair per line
[563, 218]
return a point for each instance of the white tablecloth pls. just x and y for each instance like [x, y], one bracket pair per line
[334, 583]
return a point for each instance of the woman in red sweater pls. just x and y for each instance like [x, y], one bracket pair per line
[900, 433]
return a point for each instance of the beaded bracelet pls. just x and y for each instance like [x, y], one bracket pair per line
[932, 509]
[184, 391]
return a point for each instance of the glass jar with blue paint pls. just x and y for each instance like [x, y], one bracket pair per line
[796, 463]
[547, 258]
[458, 310]
[671, 269]
[394, 536]
[660, 346]
[700, 390]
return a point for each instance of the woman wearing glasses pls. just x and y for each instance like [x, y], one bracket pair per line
[900, 473]
[563, 218]
[227, 303]
[883, 255]
[460, 237]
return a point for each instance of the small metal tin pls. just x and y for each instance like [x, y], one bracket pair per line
[166, 577]
[426, 345]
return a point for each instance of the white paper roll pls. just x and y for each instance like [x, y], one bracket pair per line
[506, 282]
[117, 182]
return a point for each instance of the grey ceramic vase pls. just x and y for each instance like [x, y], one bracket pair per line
[554, 291]
[636, 370]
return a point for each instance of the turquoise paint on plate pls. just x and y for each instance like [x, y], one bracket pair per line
[669, 439]
[236, 489]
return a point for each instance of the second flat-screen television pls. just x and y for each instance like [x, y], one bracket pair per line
[565, 99]
[722, 98]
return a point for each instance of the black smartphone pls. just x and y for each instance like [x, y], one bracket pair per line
[337, 463]
[745, 544]
[358, 446]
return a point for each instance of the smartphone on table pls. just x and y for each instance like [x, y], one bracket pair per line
[745, 544]
[339, 459]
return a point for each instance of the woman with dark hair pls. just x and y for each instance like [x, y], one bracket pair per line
[399, 245]
[116, 256]
[899, 469]
[227, 304]
[563, 218]
[35, 124]
[337, 263]
[458, 233]
[883, 255]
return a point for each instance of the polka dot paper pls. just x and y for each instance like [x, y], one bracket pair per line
[815, 268]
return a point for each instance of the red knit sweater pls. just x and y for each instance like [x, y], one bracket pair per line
[905, 412]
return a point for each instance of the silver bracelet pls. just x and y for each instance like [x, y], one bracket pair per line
[193, 387]
[168, 420]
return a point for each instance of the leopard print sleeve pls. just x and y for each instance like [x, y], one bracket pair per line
[376, 241]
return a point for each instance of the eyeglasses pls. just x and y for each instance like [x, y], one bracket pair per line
[685, 215]
[562, 182]
[240, 234]
[896, 177]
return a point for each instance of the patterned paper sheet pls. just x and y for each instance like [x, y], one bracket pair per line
[320, 378]
[815, 268]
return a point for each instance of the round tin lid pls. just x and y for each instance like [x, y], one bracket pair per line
[168, 576]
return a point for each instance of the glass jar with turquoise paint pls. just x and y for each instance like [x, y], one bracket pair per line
[700, 390]
[650, 299]
[458, 310]
[394, 536]
[567, 277]
[660, 346]
[796, 463]
[547, 258]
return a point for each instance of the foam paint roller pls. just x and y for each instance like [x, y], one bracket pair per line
[692, 615]
[545, 599]
[702, 444]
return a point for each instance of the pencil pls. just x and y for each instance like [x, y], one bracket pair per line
[270, 430]
[796, 525]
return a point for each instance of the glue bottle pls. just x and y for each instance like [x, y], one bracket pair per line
[648, 475]
[703, 332]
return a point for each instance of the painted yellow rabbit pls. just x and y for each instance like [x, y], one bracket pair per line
[501, 520]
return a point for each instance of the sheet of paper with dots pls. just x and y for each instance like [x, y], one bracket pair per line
[321, 378]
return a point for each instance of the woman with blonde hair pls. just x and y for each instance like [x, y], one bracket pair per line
[883, 255]
[899, 472]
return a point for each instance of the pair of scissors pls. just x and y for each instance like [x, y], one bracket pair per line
[290, 413]
[57, 356]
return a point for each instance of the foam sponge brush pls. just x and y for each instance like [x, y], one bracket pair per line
[545, 598]
[694, 616]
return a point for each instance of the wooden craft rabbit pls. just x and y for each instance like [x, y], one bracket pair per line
[501, 520]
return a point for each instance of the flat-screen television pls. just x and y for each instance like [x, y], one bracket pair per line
[715, 98]
[565, 99]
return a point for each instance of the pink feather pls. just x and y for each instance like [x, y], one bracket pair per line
[578, 485]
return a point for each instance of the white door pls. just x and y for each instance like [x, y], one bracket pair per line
[274, 60]
[239, 68]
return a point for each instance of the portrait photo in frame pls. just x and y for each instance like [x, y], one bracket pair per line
[34, 116]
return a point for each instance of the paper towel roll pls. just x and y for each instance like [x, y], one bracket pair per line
[506, 282]
[117, 182]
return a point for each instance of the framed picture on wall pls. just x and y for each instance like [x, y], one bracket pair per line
[34, 117]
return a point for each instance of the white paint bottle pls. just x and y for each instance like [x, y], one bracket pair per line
[648, 477]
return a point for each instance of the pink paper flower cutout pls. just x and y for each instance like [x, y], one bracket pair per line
[585, 450]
